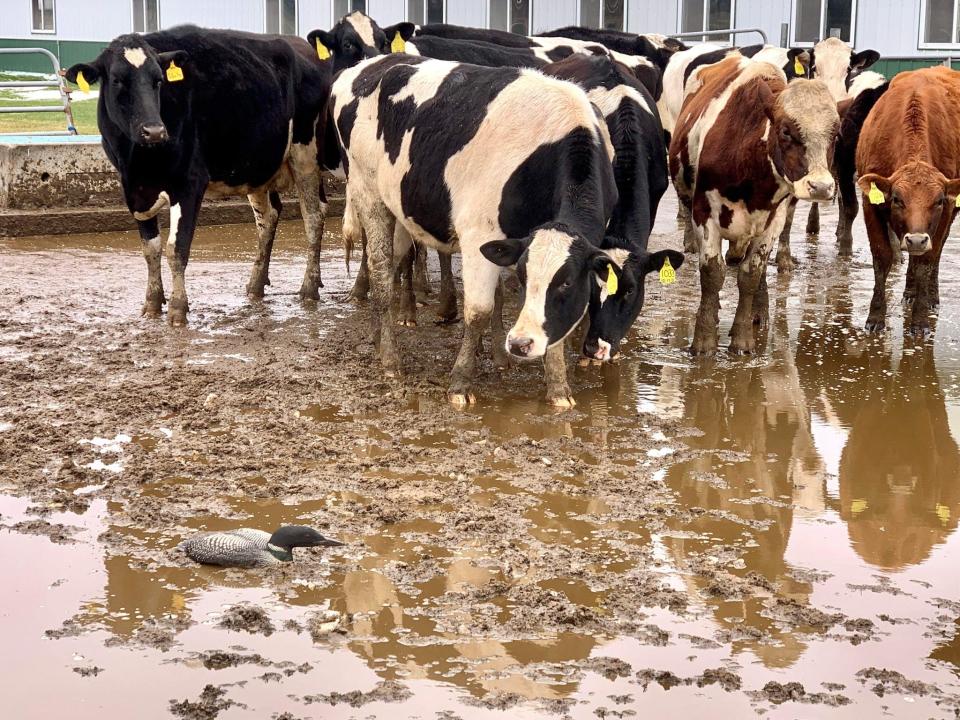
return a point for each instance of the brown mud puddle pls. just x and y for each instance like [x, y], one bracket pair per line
[774, 536]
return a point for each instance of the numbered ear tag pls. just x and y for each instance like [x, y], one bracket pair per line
[82, 82]
[322, 52]
[668, 275]
[612, 283]
[398, 45]
[798, 68]
[174, 73]
[875, 196]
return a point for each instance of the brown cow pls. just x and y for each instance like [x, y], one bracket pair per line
[908, 160]
[745, 143]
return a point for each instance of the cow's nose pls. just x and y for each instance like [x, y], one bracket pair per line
[820, 190]
[153, 134]
[916, 243]
[520, 346]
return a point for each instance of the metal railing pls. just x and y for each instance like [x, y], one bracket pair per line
[720, 33]
[59, 83]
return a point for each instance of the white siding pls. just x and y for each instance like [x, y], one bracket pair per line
[764, 14]
[314, 15]
[892, 28]
[644, 16]
[236, 14]
[73, 19]
[387, 12]
[472, 13]
[554, 14]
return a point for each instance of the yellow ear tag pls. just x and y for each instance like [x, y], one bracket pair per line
[322, 52]
[957, 202]
[858, 506]
[174, 73]
[798, 68]
[612, 283]
[398, 45]
[875, 195]
[82, 82]
[668, 275]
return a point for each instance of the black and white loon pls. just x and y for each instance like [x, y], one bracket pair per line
[246, 547]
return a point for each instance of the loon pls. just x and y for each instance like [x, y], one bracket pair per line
[246, 547]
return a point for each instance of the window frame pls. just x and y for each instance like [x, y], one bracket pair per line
[424, 8]
[143, 4]
[623, 26]
[924, 45]
[823, 22]
[530, 4]
[266, 16]
[53, 18]
[705, 21]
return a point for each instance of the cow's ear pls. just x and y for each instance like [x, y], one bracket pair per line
[323, 42]
[656, 262]
[607, 271]
[91, 73]
[765, 99]
[863, 59]
[952, 191]
[172, 61]
[504, 252]
[674, 45]
[799, 61]
[406, 30]
[876, 188]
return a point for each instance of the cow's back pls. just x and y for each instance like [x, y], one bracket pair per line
[915, 118]
[246, 90]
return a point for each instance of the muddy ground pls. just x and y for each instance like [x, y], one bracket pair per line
[773, 535]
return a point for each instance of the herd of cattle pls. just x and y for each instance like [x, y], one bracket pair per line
[547, 153]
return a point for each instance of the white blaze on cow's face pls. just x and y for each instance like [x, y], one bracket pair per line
[807, 123]
[135, 56]
[556, 269]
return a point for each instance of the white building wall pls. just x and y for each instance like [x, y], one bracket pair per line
[644, 16]
[472, 13]
[73, 19]
[314, 15]
[764, 14]
[235, 14]
[554, 14]
[387, 12]
[892, 28]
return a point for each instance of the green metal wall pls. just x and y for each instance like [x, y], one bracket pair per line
[69, 52]
[891, 66]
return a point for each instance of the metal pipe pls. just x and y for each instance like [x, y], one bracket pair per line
[731, 31]
[32, 108]
[59, 83]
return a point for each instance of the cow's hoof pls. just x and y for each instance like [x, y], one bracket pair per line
[357, 296]
[875, 326]
[584, 362]
[785, 264]
[407, 322]
[920, 330]
[703, 349]
[177, 319]
[561, 401]
[310, 292]
[740, 350]
[255, 292]
[447, 319]
[152, 309]
[461, 399]
[907, 300]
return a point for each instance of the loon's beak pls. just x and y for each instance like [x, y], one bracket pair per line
[328, 542]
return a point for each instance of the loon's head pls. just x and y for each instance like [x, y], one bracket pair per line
[291, 536]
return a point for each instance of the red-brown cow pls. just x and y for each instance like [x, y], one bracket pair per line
[745, 143]
[908, 160]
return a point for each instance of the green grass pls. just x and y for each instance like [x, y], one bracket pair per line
[84, 117]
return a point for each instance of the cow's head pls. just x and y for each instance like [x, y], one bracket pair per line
[659, 48]
[613, 314]
[803, 132]
[835, 62]
[557, 269]
[357, 37]
[914, 201]
[131, 75]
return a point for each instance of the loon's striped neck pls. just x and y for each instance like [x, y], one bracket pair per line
[280, 553]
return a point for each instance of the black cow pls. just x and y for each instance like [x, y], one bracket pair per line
[510, 165]
[474, 52]
[190, 111]
[657, 48]
[640, 171]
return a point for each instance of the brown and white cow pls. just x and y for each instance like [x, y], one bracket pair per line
[909, 164]
[745, 144]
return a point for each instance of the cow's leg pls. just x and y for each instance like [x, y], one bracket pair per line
[711, 280]
[379, 228]
[785, 260]
[751, 277]
[152, 249]
[183, 223]
[920, 317]
[498, 334]
[848, 207]
[761, 303]
[266, 212]
[361, 286]
[691, 241]
[421, 282]
[813, 220]
[447, 312]
[555, 370]
[404, 249]
[910, 284]
[480, 279]
[313, 206]
[882, 251]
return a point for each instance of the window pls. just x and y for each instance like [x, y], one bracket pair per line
[939, 23]
[499, 18]
[520, 17]
[429, 11]
[606, 14]
[42, 16]
[345, 7]
[706, 15]
[815, 20]
[146, 16]
[282, 17]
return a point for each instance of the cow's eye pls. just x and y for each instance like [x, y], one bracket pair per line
[564, 286]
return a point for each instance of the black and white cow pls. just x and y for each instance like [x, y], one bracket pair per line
[657, 48]
[454, 155]
[640, 172]
[190, 111]
[356, 37]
